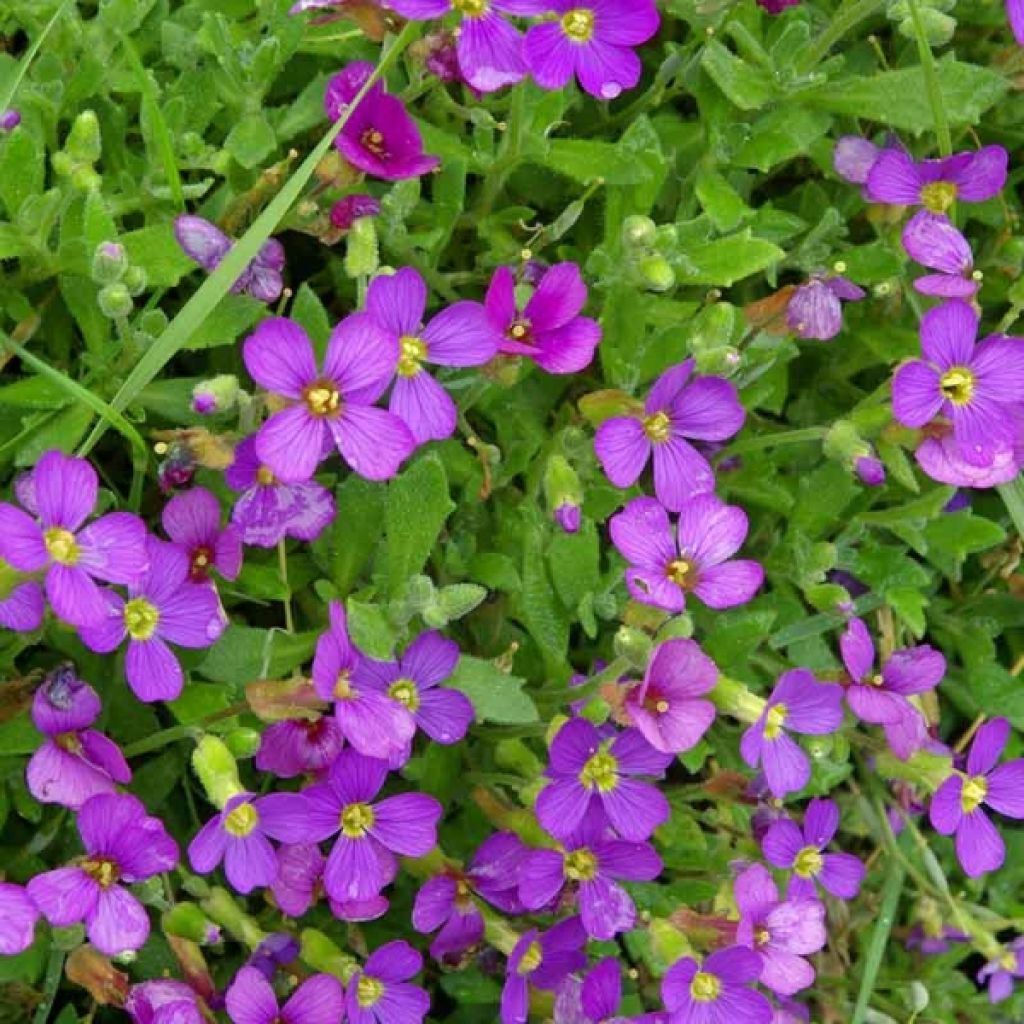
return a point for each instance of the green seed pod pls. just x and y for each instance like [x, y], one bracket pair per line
[215, 766]
[115, 301]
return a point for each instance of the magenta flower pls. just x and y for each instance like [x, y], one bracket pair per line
[445, 902]
[543, 960]
[881, 697]
[381, 992]
[75, 762]
[717, 991]
[192, 521]
[332, 406]
[269, 510]
[163, 607]
[9, 120]
[1002, 973]
[1015, 15]
[590, 775]
[22, 604]
[803, 851]
[299, 881]
[678, 407]
[667, 707]
[347, 210]
[460, 335]
[799, 703]
[18, 916]
[549, 329]
[935, 243]
[977, 386]
[593, 40]
[943, 459]
[162, 1001]
[815, 309]
[111, 549]
[251, 1000]
[122, 844]
[597, 999]
[958, 804]
[663, 569]
[299, 746]
[937, 184]
[782, 932]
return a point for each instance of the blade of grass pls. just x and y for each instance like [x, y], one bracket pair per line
[6, 96]
[891, 891]
[1013, 497]
[193, 314]
[931, 81]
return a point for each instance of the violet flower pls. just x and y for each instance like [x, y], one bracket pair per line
[1015, 15]
[111, 549]
[958, 804]
[870, 470]
[445, 904]
[543, 960]
[815, 309]
[943, 459]
[381, 993]
[278, 949]
[932, 938]
[718, 991]
[1002, 973]
[935, 243]
[162, 1001]
[802, 850]
[678, 408]
[782, 932]
[663, 569]
[299, 883]
[494, 871]
[600, 995]
[250, 999]
[122, 844]
[9, 120]
[799, 703]
[163, 607]
[192, 521]
[22, 604]
[328, 407]
[299, 746]
[853, 158]
[75, 762]
[18, 916]
[460, 335]
[549, 329]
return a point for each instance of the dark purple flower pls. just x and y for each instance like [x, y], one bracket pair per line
[782, 932]
[163, 607]
[328, 407]
[9, 120]
[347, 210]
[162, 1001]
[268, 509]
[122, 844]
[251, 1000]
[549, 329]
[815, 309]
[717, 991]
[786, 846]
[111, 549]
[278, 949]
[933, 937]
[381, 992]
[870, 470]
[299, 746]
[494, 871]
[192, 521]
[543, 960]
[678, 408]
[18, 916]
[460, 335]
[935, 243]
[591, 39]
[663, 569]
[1001, 974]
[597, 999]
[75, 762]
[853, 158]
[445, 902]
[958, 804]
[937, 184]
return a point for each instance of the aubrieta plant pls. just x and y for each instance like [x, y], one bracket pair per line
[511, 510]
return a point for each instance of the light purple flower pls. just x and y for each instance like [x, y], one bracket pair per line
[163, 607]
[815, 309]
[663, 569]
[593, 39]
[943, 458]
[568, 516]
[1015, 15]
[347, 210]
[543, 960]
[549, 329]
[933, 937]
[958, 804]
[445, 902]
[162, 1001]
[328, 407]
[299, 746]
[1002, 973]
[782, 932]
[853, 158]
[122, 844]
[22, 604]
[111, 549]
[18, 916]
[678, 408]
[799, 703]
[787, 846]
[251, 1000]
[597, 999]
[268, 510]
[460, 335]
[75, 762]
[935, 243]
[937, 184]
[192, 521]
[717, 991]
[381, 992]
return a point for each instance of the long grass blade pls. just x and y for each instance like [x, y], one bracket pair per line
[7, 95]
[891, 891]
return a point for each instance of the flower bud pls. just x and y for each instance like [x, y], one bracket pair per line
[135, 280]
[639, 232]
[714, 327]
[321, 954]
[843, 442]
[243, 743]
[362, 256]
[218, 394]
[563, 492]
[215, 766]
[84, 144]
[187, 921]
[85, 179]
[109, 263]
[115, 301]
[719, 362]
[568, 517]
[656, 273]
[634, 645]
[346, 211]
[9, 120]
[870, 470]
[938, 27]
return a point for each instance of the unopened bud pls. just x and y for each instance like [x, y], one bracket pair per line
[638, 232]
[218, 394]
[84, 144]
[135, 280]
[656, 273]
[243, 743]
[109, 262]
[115, 301]
[187, 921]
[215, 766]
[85, 179]
[362, 256]
[634, 645]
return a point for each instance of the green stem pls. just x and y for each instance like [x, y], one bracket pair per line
[282, 568]
[1013, 497]
[850, 14]
[54, 972]
[763, 441]
[931, 81]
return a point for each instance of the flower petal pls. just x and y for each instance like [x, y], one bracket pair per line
[279, 357]
[372, 441]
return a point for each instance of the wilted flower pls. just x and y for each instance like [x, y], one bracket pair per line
[381, 992]
[853, 158]
[544, 960]
[347, 210]
[935, 243]
[815, 309]
[251, 1000]
[972, 177]
[717, 991]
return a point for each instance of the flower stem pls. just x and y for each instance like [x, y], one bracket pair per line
[931, 81]
[763, 441]
[282, 567]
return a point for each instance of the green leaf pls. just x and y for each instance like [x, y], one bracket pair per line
[496, 695]
[584, 160]
[962, 533]
[721, 202]
[574, 563]
[156, 250]
[309, 313]
[781, 135]
[725, 260]
[244, 654]
[251, 140]
[22, 169]
[370, 630]
[231, 318]
[749, 88]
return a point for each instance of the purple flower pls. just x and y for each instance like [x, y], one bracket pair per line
[815, 309]
[381, 993]
[594, 864]
[163, 607]
[853, 158]
[1001, 974]
[933, 937]
[299, 882]
[1015, 15]
[251, 1000]
[882, 697]
[958, 804]
[112, 549]
[75, 762]
[9, 120]
[460, 335]
[977, 386]
[777, 6]
[667, 707]
[664, 569]
[446, 903]
[549, 329]
[717, 991]
[163, 1001]
[18, 916]
[944, 460]
[592, 39]
[937, 184]
[122, 844]
[494, 871]
[588, 774]
[799, 703]
[268, 510]
[278, 949]
[542, 960]
[599, 996]
[870, 470]
[782, 932]
[332, 406]
[22, 605]
[299, 746]
[786, 846]
[347, 210]
[208, 245]
[704, 409]
[568, 516]
[192, 521]
[935, 243]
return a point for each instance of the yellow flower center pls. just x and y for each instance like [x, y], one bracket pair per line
[414, 351]
[1008, 962]
[356, 820]
[69, 741]
[580, 866]
[373, 140]
[705, 988]
[201, 560]
[141, 618]
[808, 862]
[322, 399]
[405, 692]
[471, 8]
[61, 545]
[974, 791]
[520, 331]
[679, 571]
[762, 937]
[601, 772]
[957, 385]
[774, 720]
[265, 476]
[102, 870]
[369, 991]
[343, 686]
[658, 427]
[939, 196]
[661, 706]
[531, 959]
[242, 820]
[578, 24]
[876, 680]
